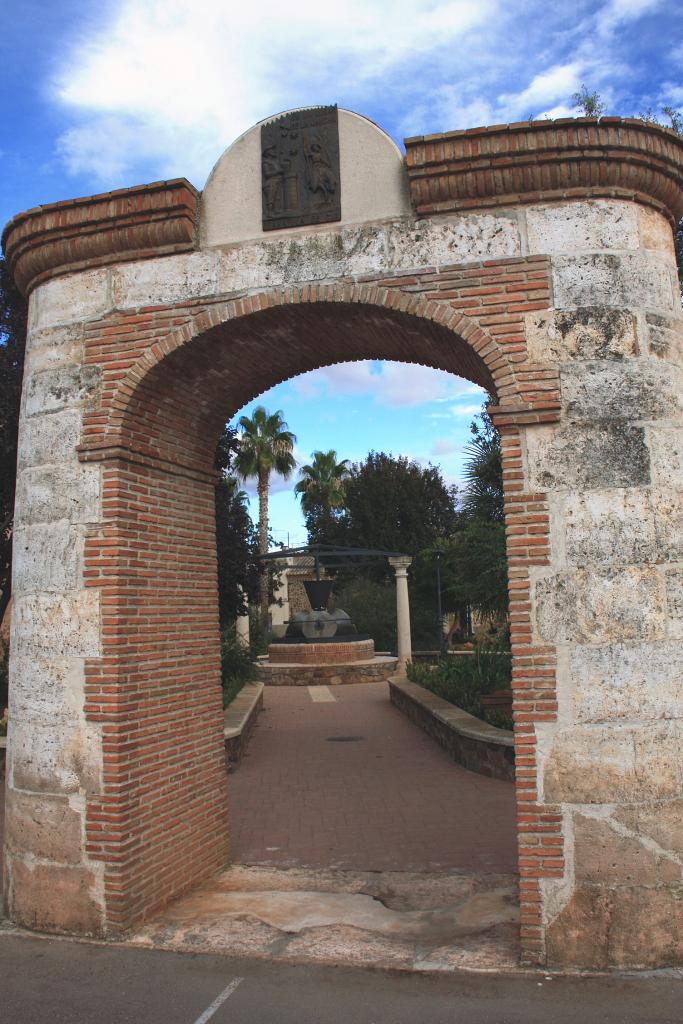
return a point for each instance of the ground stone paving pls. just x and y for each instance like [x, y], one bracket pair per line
[388, 799]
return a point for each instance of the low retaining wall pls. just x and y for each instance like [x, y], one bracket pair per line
[239, 719]
[472, 743]
[378, 669]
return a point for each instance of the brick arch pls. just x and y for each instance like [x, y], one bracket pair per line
[448, 339]
[154, 691]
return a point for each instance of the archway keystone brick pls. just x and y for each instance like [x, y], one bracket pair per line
[548, 277]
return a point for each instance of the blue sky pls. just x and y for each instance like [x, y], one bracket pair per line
[107, 94]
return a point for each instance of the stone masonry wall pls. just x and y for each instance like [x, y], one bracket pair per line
[609, 599]
[570, 309]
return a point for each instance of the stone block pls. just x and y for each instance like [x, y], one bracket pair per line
[661, 822]
[646, 928]
[578, 937]
[614, 763]
[370, 249]
[61, 388]
[459, 239]
[605, 857]
[666, 455]
[631, 927]
[614, 527]
[47, 557]
[49, 440]
[587, 226]
[655, 231]
[43, 826]
[667, 507]
[632, 681]
[557, 336]
[591, 456]
[639, 280]
[640, 389]
[49, 493]
[64, 625]
[55, 898]
[602, 606]
[313, 257]
[169, 279]
[70, 299]
[52, 748]
[665, 337]
[674, 602]
[54, 347]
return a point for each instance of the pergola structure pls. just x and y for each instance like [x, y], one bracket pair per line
[329, 556]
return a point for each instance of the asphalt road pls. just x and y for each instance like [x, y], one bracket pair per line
[49, 981]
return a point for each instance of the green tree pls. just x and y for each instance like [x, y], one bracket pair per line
[395, 504]
[236, 540]
[474, 559]
[266, 446]
[13, 311]
[321, 488]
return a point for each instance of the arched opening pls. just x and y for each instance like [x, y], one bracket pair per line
[156, 690]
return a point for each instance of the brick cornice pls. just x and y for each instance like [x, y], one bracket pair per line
[114, 227]
[542, 161]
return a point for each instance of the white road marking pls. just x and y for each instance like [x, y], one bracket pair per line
[321, 694]
[218, 1001]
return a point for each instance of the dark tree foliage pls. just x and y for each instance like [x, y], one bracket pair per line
[475, 559]
[13, 310]
[391, 504]
[236, 536]
[483, 495]
[395, 505]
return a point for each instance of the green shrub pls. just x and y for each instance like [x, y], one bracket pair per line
[237, 666]
[463, 679]
[372, 607]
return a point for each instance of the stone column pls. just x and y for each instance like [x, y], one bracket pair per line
[400, 567]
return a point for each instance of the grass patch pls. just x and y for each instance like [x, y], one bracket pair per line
[464, 679]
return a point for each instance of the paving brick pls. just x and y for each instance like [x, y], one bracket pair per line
[391, 800]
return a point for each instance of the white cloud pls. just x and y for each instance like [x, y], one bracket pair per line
[443, 447]
[171, 82]
[620, 12]
[554, 84]
[159, 89]
[387, 383]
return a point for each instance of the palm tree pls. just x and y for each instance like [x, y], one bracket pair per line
[321, 487]
[265, 446]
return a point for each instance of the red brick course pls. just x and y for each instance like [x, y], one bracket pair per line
[547, 161]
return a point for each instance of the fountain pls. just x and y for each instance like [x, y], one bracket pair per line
[323, 646]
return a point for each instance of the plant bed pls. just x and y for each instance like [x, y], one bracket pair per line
[474, 744]
[469, 681]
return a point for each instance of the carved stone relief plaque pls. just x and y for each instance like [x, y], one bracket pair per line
[300, 169]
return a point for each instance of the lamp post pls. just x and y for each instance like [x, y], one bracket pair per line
[439, 609]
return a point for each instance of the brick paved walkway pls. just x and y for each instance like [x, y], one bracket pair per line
[389, 801]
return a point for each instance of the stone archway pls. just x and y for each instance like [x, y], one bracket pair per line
[545, 270]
